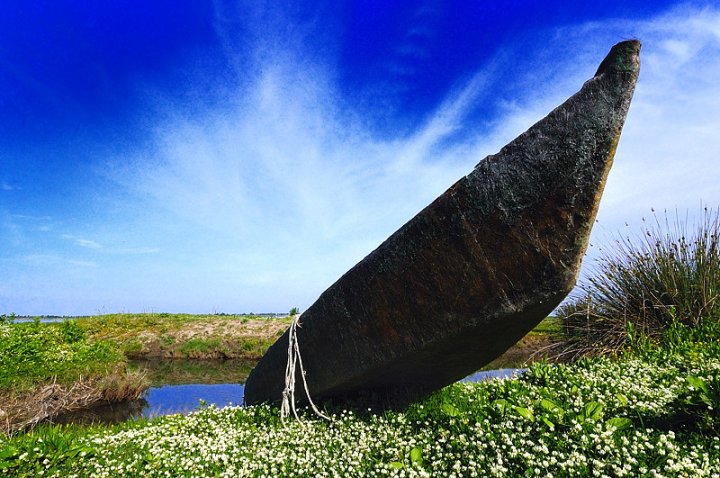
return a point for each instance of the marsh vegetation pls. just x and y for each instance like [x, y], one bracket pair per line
[48, 369]
[641, 398]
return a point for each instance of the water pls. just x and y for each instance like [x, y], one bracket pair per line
[492, 374]
[176, 386]
[166, 396]
[157, 401]
[185, 398]
[42, 320]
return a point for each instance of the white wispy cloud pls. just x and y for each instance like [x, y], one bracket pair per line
[305, 190]
[79, 241]
[110, 249]
[669, 151]
[18, 229]
[667, 157]
[88, 243]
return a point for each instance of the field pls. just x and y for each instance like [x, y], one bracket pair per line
[650, 410]
[651, 414]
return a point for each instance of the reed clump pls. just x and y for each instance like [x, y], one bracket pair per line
[665, 279]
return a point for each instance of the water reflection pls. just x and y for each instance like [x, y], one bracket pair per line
[181, 372]
[157, 401]
[181, 386]
[109, 413]
[176, 386]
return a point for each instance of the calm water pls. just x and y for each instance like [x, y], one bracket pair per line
[186, 397]
[490, 374]
[42, 320]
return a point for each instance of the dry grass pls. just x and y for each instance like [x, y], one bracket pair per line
[24, 410]
[177, 336]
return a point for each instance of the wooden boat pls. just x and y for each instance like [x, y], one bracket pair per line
[474, 271]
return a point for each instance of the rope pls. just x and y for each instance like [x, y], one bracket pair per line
[294, 359]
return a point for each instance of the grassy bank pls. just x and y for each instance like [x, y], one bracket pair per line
[187, 336]
[48, 369]
[51, 368]
[650, 413]
[175, 336]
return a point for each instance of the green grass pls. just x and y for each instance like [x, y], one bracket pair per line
[34, 352]
[650, 415]
[548, 326]
[200, 347]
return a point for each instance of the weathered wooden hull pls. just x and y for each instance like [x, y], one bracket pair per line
[475, 270]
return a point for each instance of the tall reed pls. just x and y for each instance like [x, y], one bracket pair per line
[667, 276]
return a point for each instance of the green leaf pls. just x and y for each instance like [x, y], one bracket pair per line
[550, 406]
[548, 422]
[593, 411]
[416, 456]
[396, 465]
[501, 405]
[450, 410]
[619, 423]
[622, 399]
[525, 413]
[8, 452]
[698, 383]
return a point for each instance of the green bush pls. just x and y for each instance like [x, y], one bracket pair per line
[644, 286]
[34, 352]
[71, 331]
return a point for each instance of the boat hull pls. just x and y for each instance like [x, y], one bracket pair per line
[474, 271]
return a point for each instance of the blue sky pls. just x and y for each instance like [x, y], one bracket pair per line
[240, 156]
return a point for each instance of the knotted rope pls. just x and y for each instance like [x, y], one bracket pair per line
[295, 360]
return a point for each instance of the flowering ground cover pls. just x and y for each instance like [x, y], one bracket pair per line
[651, 416]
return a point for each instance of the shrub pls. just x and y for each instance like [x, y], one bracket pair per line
[668, 276]
[32, 353]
